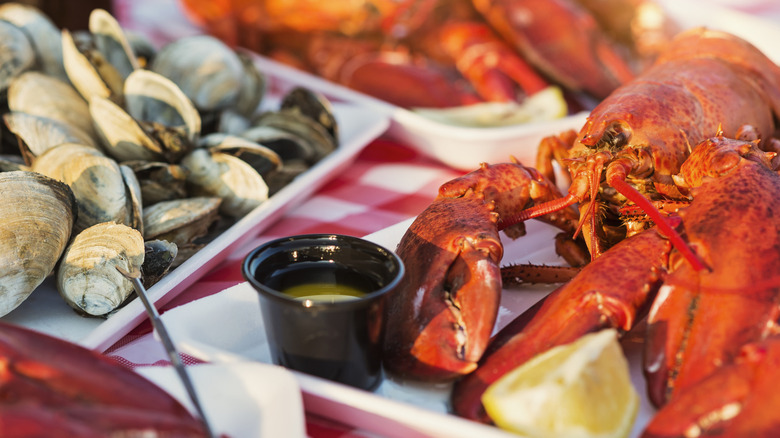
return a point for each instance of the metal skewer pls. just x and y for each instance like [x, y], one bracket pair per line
[135, 277]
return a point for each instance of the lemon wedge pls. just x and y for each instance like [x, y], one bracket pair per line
[547, 104]
[578, 390]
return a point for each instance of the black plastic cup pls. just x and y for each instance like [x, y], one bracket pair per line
[336, 340]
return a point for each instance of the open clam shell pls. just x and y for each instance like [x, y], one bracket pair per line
[112, 43]
[263, 159]
[44, 36]
[313, 105]
[312, 143]
[87, 278]
[60, 101]
[120, 134]
[181, 222]
[159, 181]
[218, 174]
[158, 260]
[88, 70]
[151, 97]
[253, 87]
[38, 134]
[35, 225]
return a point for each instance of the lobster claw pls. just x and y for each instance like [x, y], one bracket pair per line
[438, 329]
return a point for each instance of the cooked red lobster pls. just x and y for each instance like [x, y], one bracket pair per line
[740, 289]
[49, 387]
[625, 154]
[632, 155]
[439, 53]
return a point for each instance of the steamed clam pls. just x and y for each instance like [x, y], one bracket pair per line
[239, 185]
[101, 188]
[182, 222]
[60, 101]
[152, 146]
[87, 277]
[35, 225]
[205, 69]
[44, 36]
[17, 53]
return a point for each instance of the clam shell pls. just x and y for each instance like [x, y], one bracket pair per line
[313, 139]
[16, 53]
[87, 278]
[181, 221]
[120, 134]
[134, 198]
[253, 87]
[38, 134]
[92, 75]
[159, 258]
[111, 41]
[96, 180]
[159, 181]
[261, 158]
[314, 106]
[217, 174]
[44, 36]
[60, 101]
[150, 97]
[206, 69]
[35, 225]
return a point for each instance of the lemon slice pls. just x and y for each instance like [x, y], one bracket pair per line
[582, 389]
[547, 104]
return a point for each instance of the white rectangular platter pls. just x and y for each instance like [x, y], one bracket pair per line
[227, 327]
[45, 310]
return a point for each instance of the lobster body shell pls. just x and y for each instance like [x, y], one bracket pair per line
[48, 387]
[692, 90]
[614, 290]
[701, 320]
[706, 81]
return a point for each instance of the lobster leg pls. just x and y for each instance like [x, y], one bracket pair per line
[441, 318]
[491, 66]
[700, 320]
[612, 291]
[591, 63]
[733, 401]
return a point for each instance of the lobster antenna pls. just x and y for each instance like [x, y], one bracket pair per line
[660, 221]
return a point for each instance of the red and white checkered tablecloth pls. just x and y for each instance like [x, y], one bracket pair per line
[387, 183]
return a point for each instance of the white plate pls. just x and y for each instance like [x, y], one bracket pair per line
[465, 147]
[227, 327]
[45, 311]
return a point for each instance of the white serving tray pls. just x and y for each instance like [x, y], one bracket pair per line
[464, 148]
[45, 310]
[227, 327]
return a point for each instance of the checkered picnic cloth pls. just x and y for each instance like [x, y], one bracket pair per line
[387, 183]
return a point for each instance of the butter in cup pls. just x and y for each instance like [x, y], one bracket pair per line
[322, 298]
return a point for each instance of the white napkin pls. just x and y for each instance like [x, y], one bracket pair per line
[224, 327]
[246, 399]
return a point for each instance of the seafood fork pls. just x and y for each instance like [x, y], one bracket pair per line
[135, 277]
